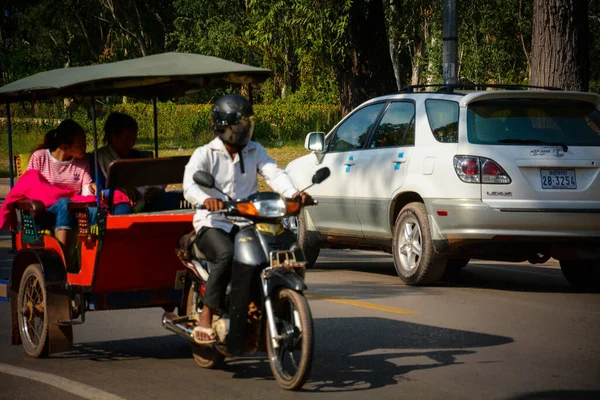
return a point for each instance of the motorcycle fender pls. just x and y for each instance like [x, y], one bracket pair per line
[248, 249]
[282, 277]
[241, 281]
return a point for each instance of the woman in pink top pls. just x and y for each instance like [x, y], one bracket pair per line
[61, 161]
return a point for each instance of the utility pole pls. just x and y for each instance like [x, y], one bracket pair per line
[450, 43]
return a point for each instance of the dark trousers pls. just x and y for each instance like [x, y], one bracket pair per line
[217, 246]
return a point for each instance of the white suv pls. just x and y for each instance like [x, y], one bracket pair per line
[438, 178]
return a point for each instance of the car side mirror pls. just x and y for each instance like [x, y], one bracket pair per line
[315, 141]
[204, 179]
[320, 175]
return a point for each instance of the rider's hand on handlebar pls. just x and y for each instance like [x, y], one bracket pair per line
[304, 198]
[213, 204]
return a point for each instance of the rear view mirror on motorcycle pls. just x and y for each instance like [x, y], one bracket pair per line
[320, 175]
[205, 179]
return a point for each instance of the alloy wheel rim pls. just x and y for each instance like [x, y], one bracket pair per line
[410, 244]
[291, 223]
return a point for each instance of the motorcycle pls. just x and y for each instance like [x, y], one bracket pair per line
[265, 308]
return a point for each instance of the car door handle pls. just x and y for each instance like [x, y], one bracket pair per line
[349, 163]
[400, 160]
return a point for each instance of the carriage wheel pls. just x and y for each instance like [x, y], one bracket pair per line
[206, 356]
[33, 319]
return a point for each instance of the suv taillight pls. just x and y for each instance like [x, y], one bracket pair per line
[473, 169]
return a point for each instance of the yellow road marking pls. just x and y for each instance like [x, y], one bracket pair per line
[363, 304]
[5, 244]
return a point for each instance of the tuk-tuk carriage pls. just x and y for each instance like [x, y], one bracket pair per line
[123, 261]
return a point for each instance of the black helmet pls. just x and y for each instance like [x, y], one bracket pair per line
[233, 121]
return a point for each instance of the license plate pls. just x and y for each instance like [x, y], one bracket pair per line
[558, 179]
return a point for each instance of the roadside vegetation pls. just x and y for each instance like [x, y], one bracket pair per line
[326, 56]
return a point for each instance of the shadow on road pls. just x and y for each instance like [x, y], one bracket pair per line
[560, 395]
[359, 290]
[514, 278]
[381, 268]
[505, 276]
[351, 354]
[374, 353]
[157, 347]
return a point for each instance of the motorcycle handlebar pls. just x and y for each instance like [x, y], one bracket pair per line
[203, 207]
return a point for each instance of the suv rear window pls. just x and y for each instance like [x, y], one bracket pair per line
[527, 121]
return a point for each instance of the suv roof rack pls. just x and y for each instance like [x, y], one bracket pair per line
[449, 88]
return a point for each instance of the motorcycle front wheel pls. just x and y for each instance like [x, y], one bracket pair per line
[291, 361]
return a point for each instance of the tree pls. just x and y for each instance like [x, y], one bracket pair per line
[149, 22]
[351, 34]
[560, 44]
[366, 70]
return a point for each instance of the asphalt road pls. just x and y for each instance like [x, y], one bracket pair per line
[500, 331]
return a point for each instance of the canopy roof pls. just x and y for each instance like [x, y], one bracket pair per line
[164, 75]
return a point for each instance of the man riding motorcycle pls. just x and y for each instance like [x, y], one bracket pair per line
[235, 162]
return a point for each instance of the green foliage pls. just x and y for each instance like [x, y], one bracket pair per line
[180, 125]
[594, 21]
[312, 46]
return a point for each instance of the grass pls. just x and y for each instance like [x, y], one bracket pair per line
[281, 154]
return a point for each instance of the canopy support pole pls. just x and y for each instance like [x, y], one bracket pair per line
[10, 149]
[94, 130]
[155, 127]
[13, 242]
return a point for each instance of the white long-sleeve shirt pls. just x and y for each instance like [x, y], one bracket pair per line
[216, 160]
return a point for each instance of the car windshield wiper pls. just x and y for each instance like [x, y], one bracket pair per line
[535, 141]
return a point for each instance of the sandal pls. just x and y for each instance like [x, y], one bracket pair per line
[210, 332]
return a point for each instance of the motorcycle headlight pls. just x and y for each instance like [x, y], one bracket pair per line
[273, 208]
[263, 208]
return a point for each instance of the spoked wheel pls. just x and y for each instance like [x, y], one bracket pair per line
[206, 356]
[292, 360]
[33, 319]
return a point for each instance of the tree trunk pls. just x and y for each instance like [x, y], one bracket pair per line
[367, 71]
[417, 60]
[393, 36]
[560, 44]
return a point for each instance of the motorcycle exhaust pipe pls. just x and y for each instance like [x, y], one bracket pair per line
[171, 321]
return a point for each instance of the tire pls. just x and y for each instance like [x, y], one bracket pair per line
[206, 356]
[582, 274]
[412, 247]
[296, 342]
[33, 319]
[307, 242]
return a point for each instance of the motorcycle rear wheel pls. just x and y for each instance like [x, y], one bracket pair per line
[206, 356]
[292, 360]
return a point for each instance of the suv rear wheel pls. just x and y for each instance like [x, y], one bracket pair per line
[414, 254]
[582, 274]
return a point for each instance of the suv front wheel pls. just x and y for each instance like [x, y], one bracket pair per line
[414, 254]
[307, 240]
